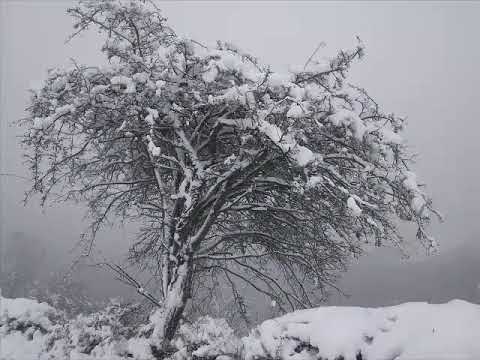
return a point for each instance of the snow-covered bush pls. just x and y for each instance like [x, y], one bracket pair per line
[207, 338]
[32, 330]
[25, 328]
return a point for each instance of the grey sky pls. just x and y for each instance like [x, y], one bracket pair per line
[422, 61]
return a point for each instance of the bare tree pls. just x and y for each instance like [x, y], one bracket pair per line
[270, 179]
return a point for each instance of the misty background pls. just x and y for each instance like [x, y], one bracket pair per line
[422, 61]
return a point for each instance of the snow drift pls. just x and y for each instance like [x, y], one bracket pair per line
[410, 331]
[31, 330]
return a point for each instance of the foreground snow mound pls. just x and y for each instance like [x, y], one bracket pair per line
[31, 330]
[411, 331]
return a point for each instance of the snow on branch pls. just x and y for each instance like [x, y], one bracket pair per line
[200, 143]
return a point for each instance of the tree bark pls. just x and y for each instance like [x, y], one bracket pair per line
[178, 293]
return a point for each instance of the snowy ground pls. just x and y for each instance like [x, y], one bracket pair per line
[412, 331]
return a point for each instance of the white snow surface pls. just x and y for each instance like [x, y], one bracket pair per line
[18, 313]
[26, 310]
[125, 81]
[410, 331]
[354, 208]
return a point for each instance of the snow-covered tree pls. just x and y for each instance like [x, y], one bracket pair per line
[271, 179]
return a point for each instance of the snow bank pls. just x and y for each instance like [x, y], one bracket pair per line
[411, 331]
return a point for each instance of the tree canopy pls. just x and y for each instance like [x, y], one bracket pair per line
[267, 178]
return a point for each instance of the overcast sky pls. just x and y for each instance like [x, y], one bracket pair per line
[422, 61]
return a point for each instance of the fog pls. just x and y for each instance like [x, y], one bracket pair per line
[422, 61]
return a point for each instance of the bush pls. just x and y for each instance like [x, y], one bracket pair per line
[33, 330]
[207, 338]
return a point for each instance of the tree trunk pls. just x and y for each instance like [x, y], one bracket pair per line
[178, 293]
